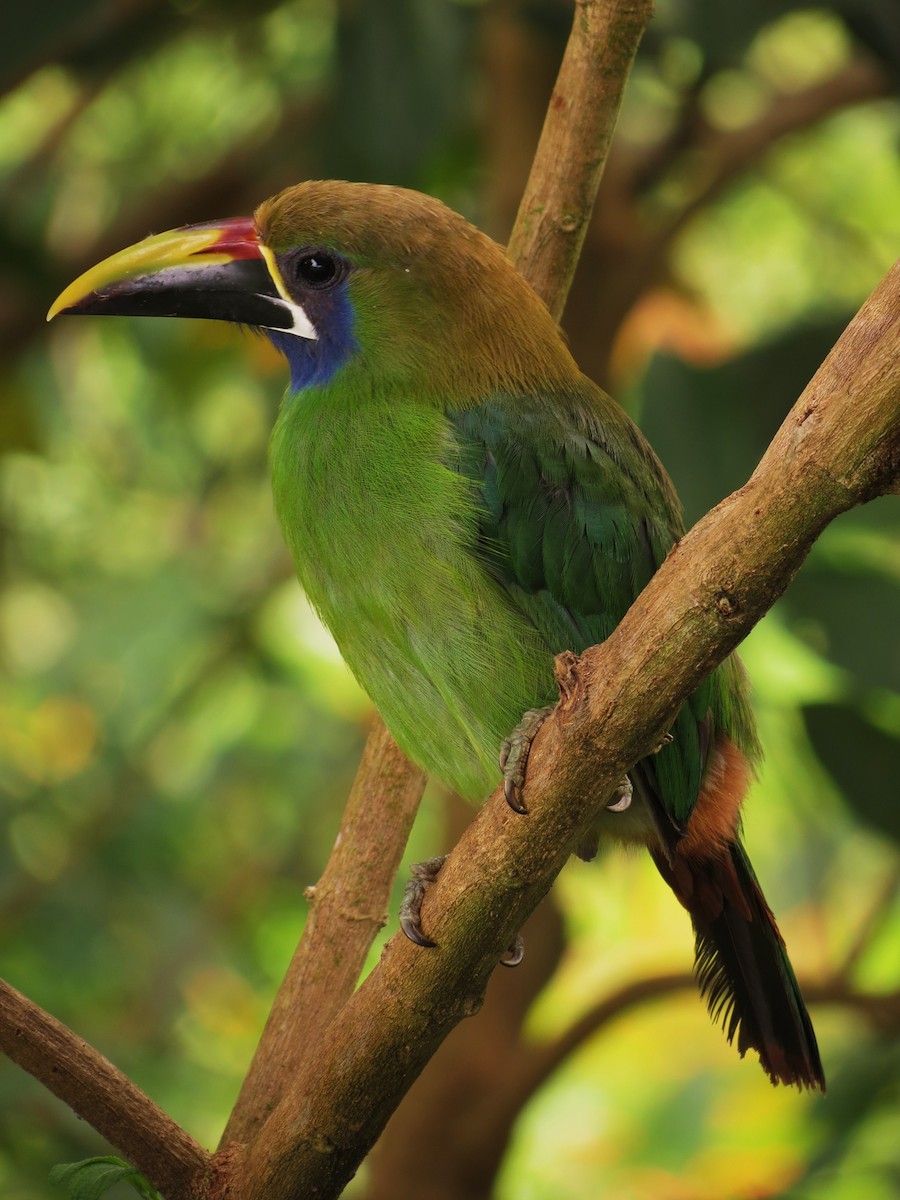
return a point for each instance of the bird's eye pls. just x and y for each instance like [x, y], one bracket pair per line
[317, 268]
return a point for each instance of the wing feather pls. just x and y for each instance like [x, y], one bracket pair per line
[573, 524]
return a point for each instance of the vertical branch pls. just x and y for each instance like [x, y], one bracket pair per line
[555, 210]
[348, 907]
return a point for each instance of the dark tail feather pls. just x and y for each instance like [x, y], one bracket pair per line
[742, 966]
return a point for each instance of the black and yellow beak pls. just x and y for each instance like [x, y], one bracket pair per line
[219, 270]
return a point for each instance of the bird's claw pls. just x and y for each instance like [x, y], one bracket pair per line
[621, 797]
[422, 876]
[515, 953]
[666, 740]
[514, 756]
[512, 792]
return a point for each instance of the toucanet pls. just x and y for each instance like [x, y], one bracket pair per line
[463, 504]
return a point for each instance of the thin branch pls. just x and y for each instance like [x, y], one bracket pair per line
[839, 446]
[629, 242]
[881, 1010]
[537, 1063]
[873, 921]
[562, 186]
[348, 907]
[98, 1092]
[725, 155]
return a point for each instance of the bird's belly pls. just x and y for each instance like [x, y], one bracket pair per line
[386, 554]
[450, 666]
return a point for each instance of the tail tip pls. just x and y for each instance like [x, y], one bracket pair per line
[802, 1070]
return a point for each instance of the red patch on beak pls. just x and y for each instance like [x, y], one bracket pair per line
[237, 238]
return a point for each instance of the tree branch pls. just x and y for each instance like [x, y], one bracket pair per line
[348, 907]
[725, 155]
[838, 447]
[559, 197]
[99, 1093]
[880, 1009]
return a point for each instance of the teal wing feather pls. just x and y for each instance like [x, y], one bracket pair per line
[576, 516]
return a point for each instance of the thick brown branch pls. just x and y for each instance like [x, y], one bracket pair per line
[839, 446]
[95, 1090]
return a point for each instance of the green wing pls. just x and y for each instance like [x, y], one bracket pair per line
[576, 516]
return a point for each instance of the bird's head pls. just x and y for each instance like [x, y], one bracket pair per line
[338, 273]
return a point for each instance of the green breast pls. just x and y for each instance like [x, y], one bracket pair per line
[382, 531]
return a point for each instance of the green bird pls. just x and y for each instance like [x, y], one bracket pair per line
[462, 505]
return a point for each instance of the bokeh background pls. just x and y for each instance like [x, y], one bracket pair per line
[177, 732]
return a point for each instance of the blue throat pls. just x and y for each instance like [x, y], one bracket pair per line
[315, 361]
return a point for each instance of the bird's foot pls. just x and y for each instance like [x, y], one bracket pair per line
[666, 740]
[589, 842]
[514, 755]
[422, 876]
[621, 797]
[515, 953]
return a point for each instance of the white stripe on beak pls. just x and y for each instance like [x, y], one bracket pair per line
[302, 326]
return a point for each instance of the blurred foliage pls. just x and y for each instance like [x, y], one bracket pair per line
[95, 1178]
[176, 731]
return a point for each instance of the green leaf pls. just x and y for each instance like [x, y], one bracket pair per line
[93, 1178]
